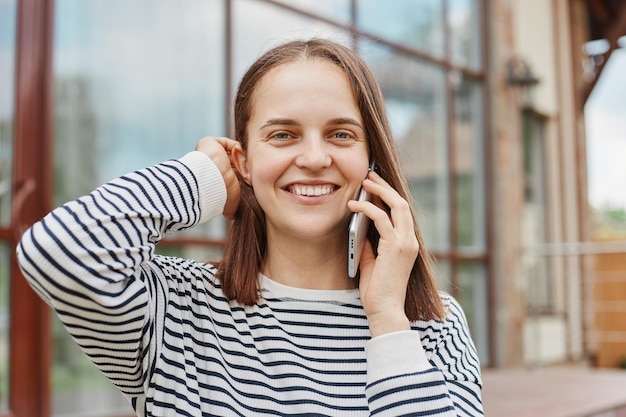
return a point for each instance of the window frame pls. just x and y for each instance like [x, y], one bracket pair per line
[29, 343]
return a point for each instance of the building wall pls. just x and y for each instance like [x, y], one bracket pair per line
[533, 37]
[540, 33]
[506, 190]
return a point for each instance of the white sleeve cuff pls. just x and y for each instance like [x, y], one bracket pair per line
[396, 353]
[211, 186]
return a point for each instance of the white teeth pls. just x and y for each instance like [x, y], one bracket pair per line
[312, 190]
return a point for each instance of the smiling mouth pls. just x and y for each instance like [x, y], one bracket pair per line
[311, 190]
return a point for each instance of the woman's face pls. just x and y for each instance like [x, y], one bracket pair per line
[307, 153]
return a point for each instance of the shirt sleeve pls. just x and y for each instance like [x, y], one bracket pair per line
[91, 259]
[404, 380]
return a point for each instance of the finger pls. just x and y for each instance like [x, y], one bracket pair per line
[378, 216]
[399, 209]
[208, 143]
[368, 259]
[227, 143]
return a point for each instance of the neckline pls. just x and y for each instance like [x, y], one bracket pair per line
[273, 289]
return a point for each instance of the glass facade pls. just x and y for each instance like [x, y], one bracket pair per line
[470, 202]
[472, 295]
[136, 83]
[336, 10]
[469, 165]
[419, 25]
[415, 95]
[137, 95]
[464, 23]
[257, 26]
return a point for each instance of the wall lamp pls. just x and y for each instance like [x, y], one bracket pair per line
[520, 75]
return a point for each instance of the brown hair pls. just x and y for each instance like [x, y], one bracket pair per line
[245, 249]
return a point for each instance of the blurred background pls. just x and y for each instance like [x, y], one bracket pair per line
[510, 116]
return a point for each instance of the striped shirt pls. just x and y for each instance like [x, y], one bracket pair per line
[162, 331]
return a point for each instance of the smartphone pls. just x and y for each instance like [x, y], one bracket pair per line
[357, 233]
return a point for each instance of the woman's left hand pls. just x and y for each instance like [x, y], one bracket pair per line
[384, 278]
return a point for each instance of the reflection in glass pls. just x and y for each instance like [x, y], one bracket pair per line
[464, 26]
[5, 257]
[469, 165]
[8, 16]
[259, 26]
[136, 83]
[337, 10]
[472, 296]
[78, 387]
[415, 98]
[416, 24]
[148, 74]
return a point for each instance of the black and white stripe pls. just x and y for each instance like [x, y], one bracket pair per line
[161, 330]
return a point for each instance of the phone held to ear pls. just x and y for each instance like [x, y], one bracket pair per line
[357, 232]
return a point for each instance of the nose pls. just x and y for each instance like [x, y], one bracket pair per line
[314, 153]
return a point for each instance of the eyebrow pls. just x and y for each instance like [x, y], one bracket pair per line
[291, 122]
[272, 122]
[345, 121]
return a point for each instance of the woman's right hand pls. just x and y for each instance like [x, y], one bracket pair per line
[219, 149]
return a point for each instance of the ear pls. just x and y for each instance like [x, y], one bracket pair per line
[240, 160]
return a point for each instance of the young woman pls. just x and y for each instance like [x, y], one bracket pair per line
[276, 327]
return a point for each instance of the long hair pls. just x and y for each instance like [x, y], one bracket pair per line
[246, 245]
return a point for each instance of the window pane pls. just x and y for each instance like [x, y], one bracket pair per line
[534, 226]
[136, 83]
[78, 387]
[473, 298]
[337, 10]
[469, 165]
[464, 23]
[416, 24]
[5, 258]
[415, 98]
[134, 86]
[8, 15]
[259, 26]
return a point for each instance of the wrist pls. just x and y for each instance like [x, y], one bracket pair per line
[388, 322]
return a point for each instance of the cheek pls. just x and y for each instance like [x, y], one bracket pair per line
[358, 173]
[357, 167]
[263, 182]
[264, 170]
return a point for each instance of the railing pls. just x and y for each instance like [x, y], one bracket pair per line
[589, 298]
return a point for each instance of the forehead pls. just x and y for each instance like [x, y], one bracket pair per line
[301, 73]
